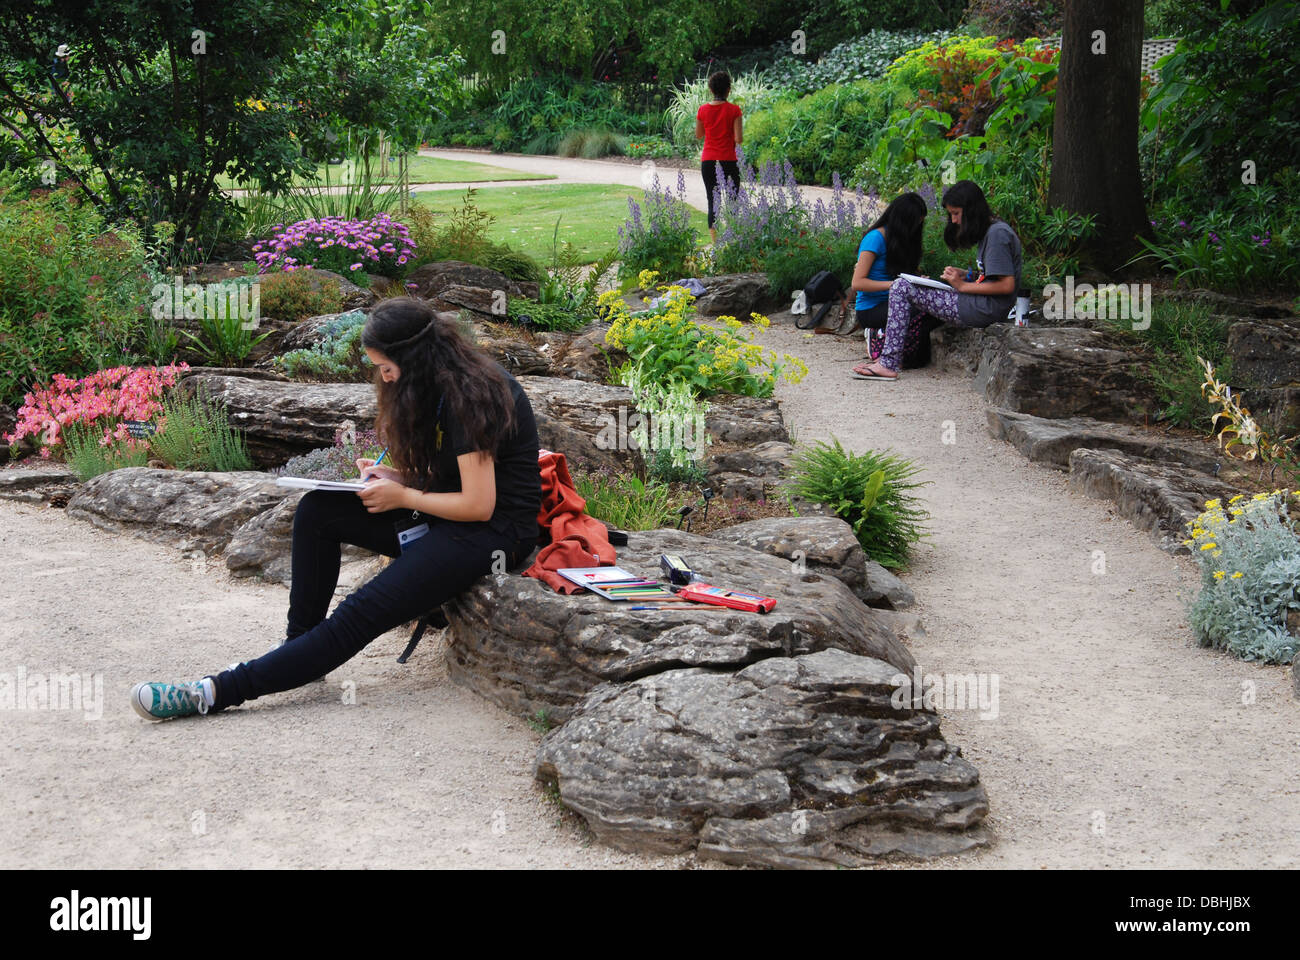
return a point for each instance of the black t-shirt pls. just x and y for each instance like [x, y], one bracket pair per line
[518, 479]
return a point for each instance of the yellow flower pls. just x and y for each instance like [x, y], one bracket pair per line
[1218, 574]
[1197, 531]
[1259, 496]
[1237, 497]
[1209, 546]
[1212, 504]
[1238, 575]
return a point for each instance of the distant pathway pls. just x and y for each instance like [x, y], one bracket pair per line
[578, 170]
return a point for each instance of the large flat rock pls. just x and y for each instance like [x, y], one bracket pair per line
[1052, 441]
[37, 486]
[526, 648]
[281, 419]
[1050, 372]
[190, 510]
[1158, 496]
[800, 761]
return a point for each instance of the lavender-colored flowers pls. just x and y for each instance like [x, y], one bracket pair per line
[768, 212]
[380, 245]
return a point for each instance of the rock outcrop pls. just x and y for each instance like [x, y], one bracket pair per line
[190, 510]
[804, 761]
[526, 648]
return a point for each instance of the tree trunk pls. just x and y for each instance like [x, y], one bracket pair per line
[1095, 131]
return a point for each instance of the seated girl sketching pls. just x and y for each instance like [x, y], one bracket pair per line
[463, 492]
[977, 299]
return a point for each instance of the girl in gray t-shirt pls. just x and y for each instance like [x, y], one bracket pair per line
[977, 298]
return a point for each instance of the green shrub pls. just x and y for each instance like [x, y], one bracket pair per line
[224, 338]
[871, 491]
[337, 357]
[624, 501]
[826, 132]
[87, 456]
[790, 267]
[195, 434]
[545, 316]
[1181, 332]
[861, 58]
[298, 294]
[591, 144]
[513, 263]
[73, 291]
[1249, 557]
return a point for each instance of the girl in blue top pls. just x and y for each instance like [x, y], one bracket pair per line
[969, 300]
[891, 246]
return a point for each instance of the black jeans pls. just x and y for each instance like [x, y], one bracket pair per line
[730, 173]
[434, 568]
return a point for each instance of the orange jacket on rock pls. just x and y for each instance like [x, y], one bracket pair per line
[576, 539]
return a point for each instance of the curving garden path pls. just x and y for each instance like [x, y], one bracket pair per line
[1115, 744]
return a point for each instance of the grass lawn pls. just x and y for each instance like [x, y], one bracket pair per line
[589, 215]
[423, 170]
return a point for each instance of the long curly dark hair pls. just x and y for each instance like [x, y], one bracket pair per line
[437, 366]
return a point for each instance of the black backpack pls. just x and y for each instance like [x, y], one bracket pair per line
[824, 289]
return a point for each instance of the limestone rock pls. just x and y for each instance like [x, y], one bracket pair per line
[1158, 496]
[1266, 352]
[431, 280]
[749, 472]
[1063, 372]
[737, 295]
[884, 589]
[525, 647]
[582, 355]
[192, 510]
[307, 334]
[1052, 441]
[263, 546]
[281, 420]
[748, 420]
[824, 545]
[800, 761]
[588, 422]
[37, 486]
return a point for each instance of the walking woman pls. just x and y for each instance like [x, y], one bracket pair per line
[463, 492]
[719, 123]
[977, 298]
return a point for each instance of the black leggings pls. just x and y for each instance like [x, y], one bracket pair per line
[434, 568]
[730, 173]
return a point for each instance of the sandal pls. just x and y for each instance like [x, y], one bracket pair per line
[864, 372]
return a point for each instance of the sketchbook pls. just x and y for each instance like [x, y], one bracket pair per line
[615, 583]
[925, 282]
[303, 483]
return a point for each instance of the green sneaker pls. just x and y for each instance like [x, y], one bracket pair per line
[162, 701]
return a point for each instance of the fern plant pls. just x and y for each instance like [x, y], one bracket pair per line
[873, 492]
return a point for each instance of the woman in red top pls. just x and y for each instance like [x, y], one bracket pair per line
[718, 122]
